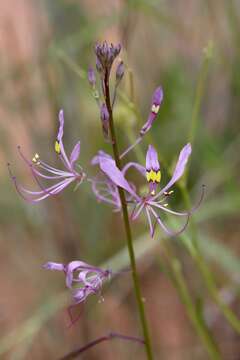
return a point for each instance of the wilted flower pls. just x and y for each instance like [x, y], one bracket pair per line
[40, 169]
[153, 201]
[81, 278]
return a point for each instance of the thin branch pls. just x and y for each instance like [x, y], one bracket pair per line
[110, 336]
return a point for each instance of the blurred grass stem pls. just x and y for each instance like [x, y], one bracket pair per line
[194, 248]
[191, 309]
[199, 92]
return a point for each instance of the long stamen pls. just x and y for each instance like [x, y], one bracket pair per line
[52, 169]
[54, 177]
[152, 229]
[135, 214]
[20, 189]
[165, 228]
[40, 162]
[191, 211]
[47, 190]
[164, 208]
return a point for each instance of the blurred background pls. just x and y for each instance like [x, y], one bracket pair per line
[191, 48]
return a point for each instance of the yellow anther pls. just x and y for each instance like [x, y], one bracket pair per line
[167, 193]
[158, 176]
[154, 176]
[155, 108]
[153, 192]
[57, 147]
[35, 159]
[165, 205]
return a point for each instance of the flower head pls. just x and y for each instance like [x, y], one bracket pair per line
[81, 278]
[154, 201]
[106, 54]
[41, 170]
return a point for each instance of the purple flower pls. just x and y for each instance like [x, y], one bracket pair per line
[156, 102]
[82, 279]
[155, 201]
[41, 170]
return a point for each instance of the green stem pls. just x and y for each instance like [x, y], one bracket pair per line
[199, 93]
[136, 283]
[192, 312]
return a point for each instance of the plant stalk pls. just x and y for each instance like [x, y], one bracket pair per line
[136, 282]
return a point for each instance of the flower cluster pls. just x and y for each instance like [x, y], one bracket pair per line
[83, 279]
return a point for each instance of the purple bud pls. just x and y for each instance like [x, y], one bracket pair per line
[98, 65]
[54, 266]
[155, 106]
[105, 119]
[106, 54]
[119, 71]
[91, 76]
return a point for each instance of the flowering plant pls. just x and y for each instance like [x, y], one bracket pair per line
[110, 185]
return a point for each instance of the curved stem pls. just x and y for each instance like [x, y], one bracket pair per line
[73, 354]
[136, 283]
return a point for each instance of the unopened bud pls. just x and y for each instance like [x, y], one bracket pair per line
[156, 102]
[91, 77]
[105, 120]
[120, 71]
[99, 66]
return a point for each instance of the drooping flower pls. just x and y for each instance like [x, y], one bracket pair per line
[155, 107]
[156, 102]
[154, 201]
[81, 278]
[41, 170]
